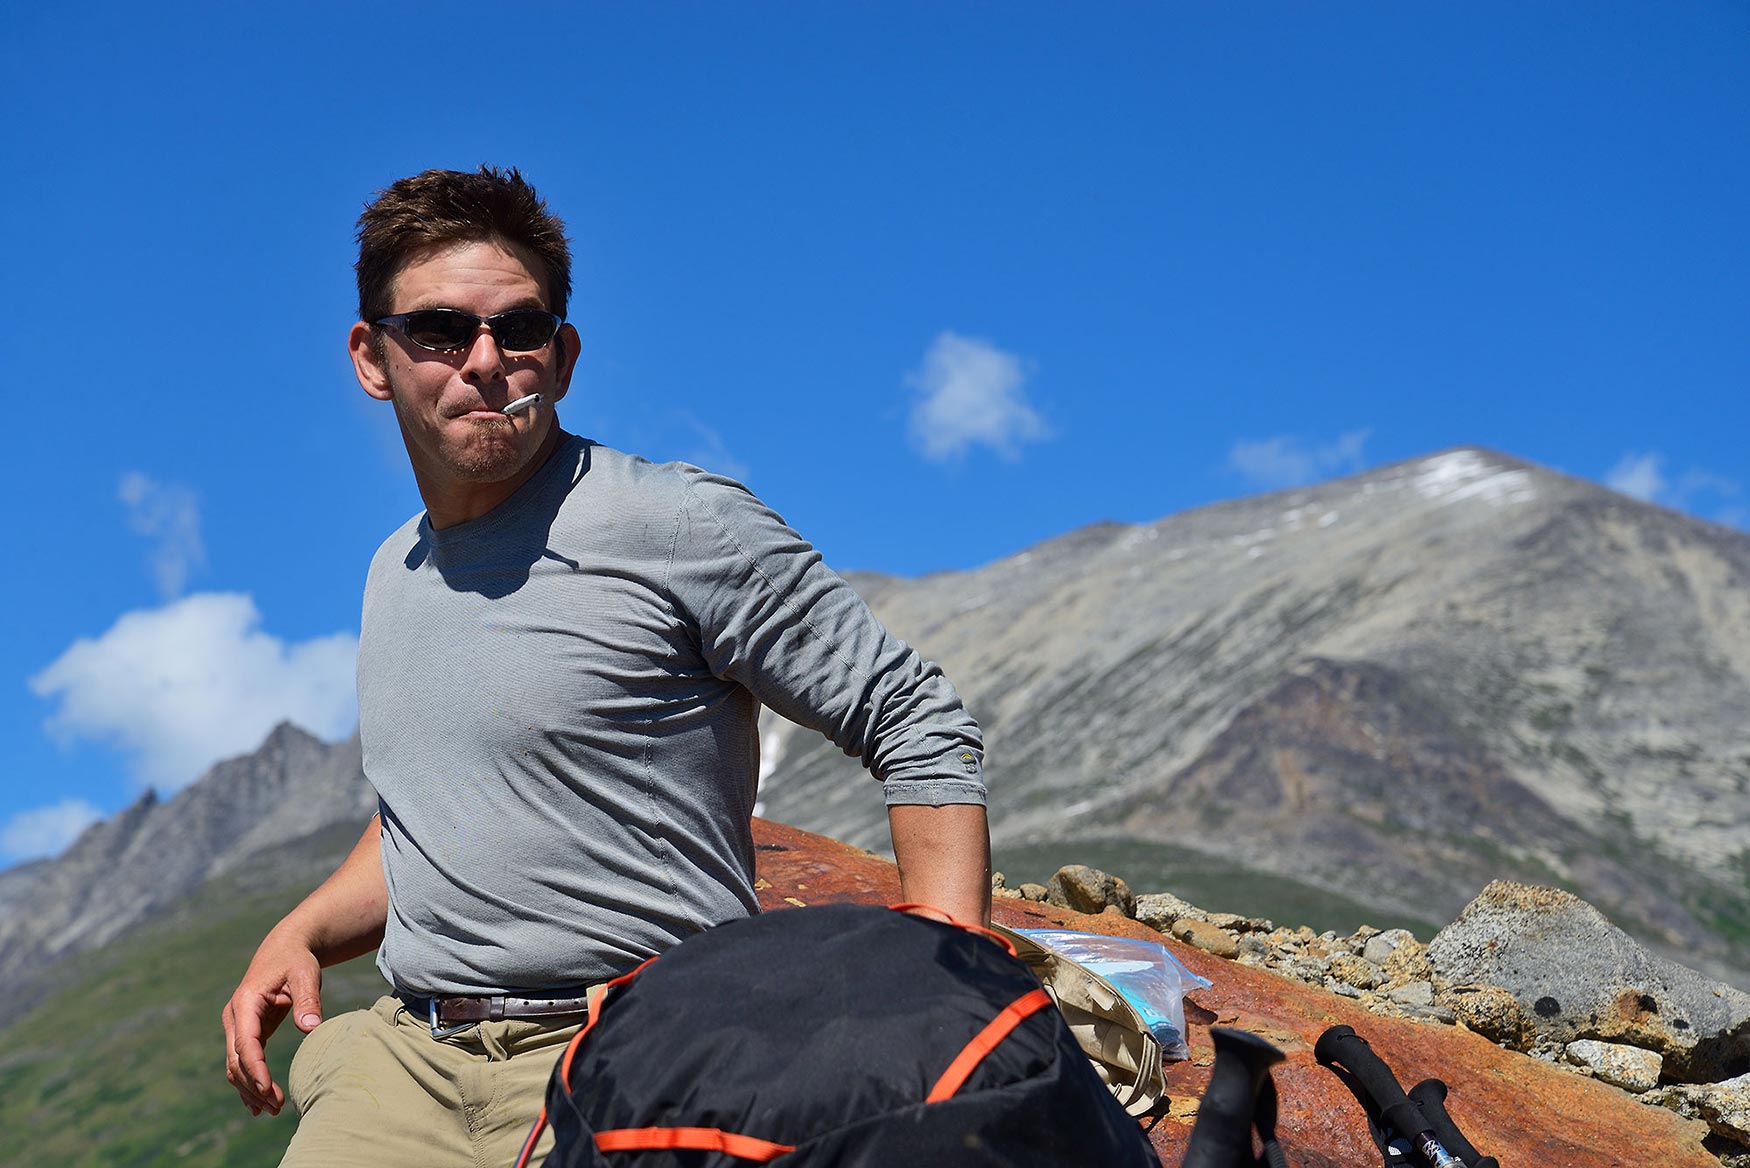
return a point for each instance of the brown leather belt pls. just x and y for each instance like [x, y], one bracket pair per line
[447, 1015]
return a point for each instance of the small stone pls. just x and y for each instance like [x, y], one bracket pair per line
[1547, 1051]
[1356, 971]
[1006, 893]
[1225, 920]
[997, 881]
[1408, 962]
[1417, 993]
[1089, 890]
[1113, 910]
[1032, 891]
[1254, 947]
[1434, 1013]
[1158, 910]
[1381, 946]
[1342, 989]
[1490, 1011]
[1725, 1106]
[1670, 1097]
[1628, 1067]
[1205, 936]
[1730, 1153]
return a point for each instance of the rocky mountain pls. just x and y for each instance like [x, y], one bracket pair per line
[140, 863]
[1397, 686]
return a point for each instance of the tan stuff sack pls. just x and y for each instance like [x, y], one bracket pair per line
[1116, 1036]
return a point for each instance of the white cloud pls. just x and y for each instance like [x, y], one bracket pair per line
[46, 831]
[970, 393]
[1290, 461]
[711, 453]
[180, 687]
[1639, 476]
[168, 515]
[1700, 492]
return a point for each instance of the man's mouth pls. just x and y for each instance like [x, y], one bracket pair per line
[479, 411]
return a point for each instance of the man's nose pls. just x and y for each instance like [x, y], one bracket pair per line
[484, 360]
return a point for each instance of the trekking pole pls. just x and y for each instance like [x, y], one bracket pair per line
[1430, 1096]
[1340, 1046]
[1240, 1094]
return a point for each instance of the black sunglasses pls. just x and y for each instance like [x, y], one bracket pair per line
[446, 330]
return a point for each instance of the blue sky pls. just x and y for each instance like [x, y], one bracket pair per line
[939, 280]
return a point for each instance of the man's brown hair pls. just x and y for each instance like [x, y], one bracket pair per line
[435, 208]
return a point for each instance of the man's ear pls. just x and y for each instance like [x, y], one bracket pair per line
[566, 347]
[363, 345]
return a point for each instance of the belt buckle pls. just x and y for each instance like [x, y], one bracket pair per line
[438, 1029]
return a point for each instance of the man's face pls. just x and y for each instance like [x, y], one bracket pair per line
[448, 403]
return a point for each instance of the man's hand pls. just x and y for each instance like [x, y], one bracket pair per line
[340, 920]
[944, 858]
[285, 976]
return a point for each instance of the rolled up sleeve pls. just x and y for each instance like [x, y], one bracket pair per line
[771, 616]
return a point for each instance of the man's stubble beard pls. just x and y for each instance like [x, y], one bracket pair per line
[470, 460]
[492, 460]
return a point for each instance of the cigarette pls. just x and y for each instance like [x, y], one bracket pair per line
[520, 404]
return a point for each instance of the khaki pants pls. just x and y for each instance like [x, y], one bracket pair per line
[373, 1088]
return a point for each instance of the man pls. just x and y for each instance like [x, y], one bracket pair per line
[561, 665]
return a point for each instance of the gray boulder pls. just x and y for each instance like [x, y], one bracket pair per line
[1159, 910]
[1576, 976]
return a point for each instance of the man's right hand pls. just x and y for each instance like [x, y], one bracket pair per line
[339, 921]
[285, 977]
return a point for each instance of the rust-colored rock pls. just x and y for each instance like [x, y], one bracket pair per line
[1512, 1107]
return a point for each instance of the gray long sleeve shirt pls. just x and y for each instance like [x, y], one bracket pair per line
[558, 703]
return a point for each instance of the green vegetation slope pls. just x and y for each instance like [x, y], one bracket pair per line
[121, 1065]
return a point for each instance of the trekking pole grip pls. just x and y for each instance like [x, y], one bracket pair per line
[1341, 1046]
[1430, 1096]
[1239, 1094]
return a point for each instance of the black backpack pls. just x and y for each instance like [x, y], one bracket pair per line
[844, 1035]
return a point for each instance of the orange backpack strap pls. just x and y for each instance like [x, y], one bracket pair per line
[985, 1041]
[931, 912]
[703, 1139]
[597, 994]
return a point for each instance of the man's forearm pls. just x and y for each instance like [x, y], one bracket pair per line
[944, 857]
[345, 916]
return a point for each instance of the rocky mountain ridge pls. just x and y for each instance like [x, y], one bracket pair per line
[1397, 686]
[144, 860]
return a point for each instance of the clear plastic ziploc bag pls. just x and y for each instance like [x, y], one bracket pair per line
[1151, 979]
[1123, 999]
